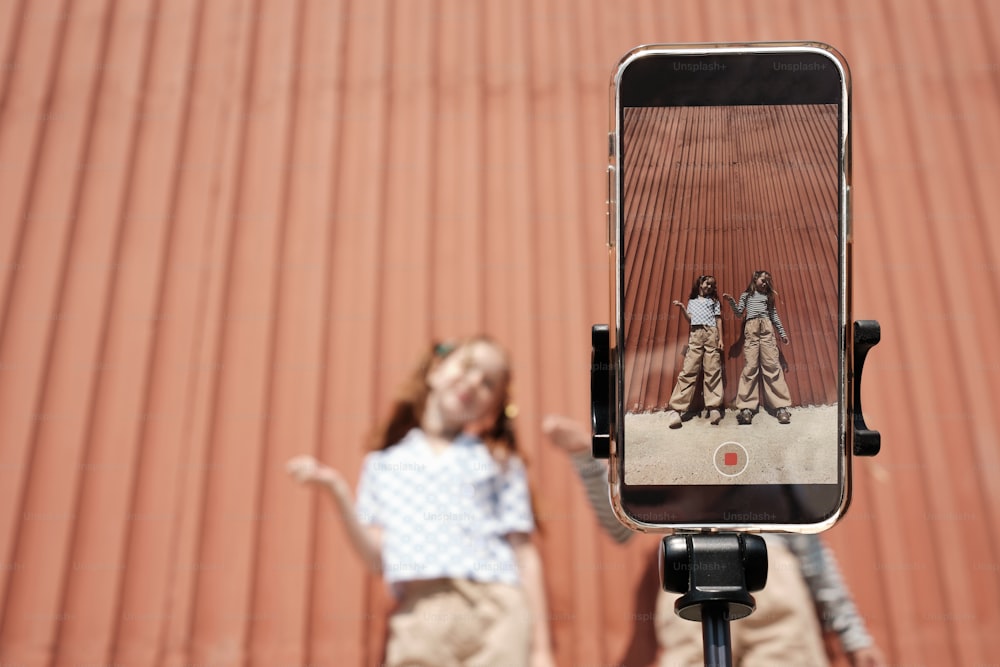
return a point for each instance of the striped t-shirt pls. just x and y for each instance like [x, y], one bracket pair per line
[755, 305]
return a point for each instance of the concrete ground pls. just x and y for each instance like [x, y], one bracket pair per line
[765, 452]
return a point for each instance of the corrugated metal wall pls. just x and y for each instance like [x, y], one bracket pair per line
[742, 189]
[227, 227]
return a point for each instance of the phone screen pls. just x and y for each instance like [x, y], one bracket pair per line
[732, 260]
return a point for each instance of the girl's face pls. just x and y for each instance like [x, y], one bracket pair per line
[707, 287]
[468, 385]
[763, 283]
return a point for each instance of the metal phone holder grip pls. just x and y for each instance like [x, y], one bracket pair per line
[601, 390]
[867, 334]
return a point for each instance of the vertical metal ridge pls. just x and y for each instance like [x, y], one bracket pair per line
[54, 480]
[208, 612]
[81, 636]
[355, 297]
[11, 30]
[311, 648]
[128, 642]
[263, 637]
[315, 648]
[186, 639]
[15, 413]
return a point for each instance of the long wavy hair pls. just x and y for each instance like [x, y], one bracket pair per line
[771, 292]
[407, 410]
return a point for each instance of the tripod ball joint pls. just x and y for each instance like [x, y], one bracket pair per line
[713, 570]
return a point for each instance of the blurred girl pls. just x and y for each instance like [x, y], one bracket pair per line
[704, 353]
[803, 579]
[445, 516]
[762, 360]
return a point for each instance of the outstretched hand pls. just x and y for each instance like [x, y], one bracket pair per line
[366, 539]
[568, 434]
[307, 470]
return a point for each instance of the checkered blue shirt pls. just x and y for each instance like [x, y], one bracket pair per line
[703, 310]
[445, 514]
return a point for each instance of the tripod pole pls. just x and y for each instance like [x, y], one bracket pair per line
[715, 572]
[715, 636]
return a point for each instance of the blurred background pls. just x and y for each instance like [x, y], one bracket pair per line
[228, 227]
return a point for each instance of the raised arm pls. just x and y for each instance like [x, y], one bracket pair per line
[738, 308]
[836, 606]
[683, 308]
[575, 439]
[366, 539]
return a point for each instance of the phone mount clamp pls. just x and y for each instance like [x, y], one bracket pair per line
[715, 572]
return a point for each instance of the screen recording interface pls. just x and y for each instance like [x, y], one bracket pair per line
[730, 263]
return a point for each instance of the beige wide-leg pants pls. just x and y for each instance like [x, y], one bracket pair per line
[702, 354]
[761, 367]
[460, 623]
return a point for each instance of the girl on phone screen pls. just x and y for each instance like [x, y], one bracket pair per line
[703, 355]
[444, 514]
[762, 360]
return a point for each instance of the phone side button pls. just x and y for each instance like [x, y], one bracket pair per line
[849, 216]
[609, 217]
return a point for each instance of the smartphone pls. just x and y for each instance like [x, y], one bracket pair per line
[729, 230]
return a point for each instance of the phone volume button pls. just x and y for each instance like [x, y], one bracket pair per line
[609, 216]
[849, 214]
